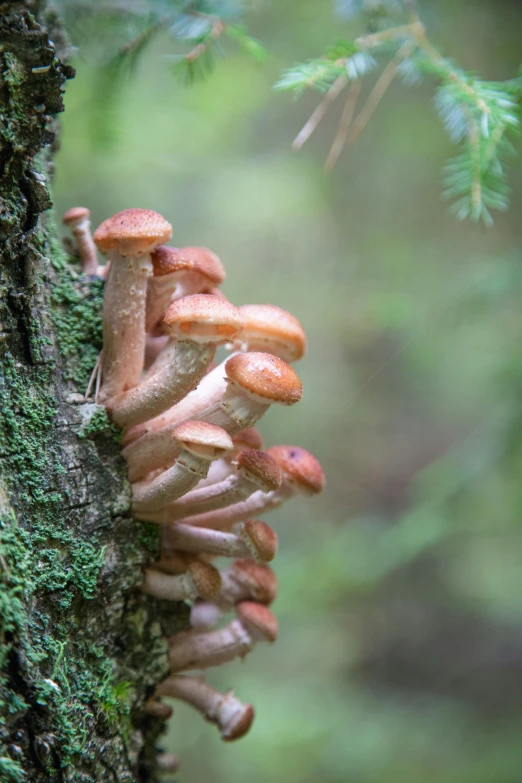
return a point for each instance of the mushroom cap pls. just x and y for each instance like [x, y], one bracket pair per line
[269, 328]
[248, 439]
[199, 260]
[262, 537]
[74, 214]
[202, 318]
[258, 620]
[206, 578]
[300, 468]
[256, 577]
[266, 377]
[239, 724]
[132, 231]
[204, 440]
[260, 468]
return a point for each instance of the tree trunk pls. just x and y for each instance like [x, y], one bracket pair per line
[81, 647]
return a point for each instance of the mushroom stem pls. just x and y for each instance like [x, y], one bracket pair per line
[188, 364]
[78, 220]
[232, 718]
[254, 539]
[171, 484]
[200, 579]
[232, 489]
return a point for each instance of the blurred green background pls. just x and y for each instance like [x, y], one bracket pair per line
[400, 653]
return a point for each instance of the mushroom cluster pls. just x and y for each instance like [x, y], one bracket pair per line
[196, 462]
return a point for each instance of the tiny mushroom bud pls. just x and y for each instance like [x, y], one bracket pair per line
[255, 470]
[177, 273]
[271, 329]
[128, 239]
[200, 323]
[253, 382]
[246, 580]
[223, 709]
[198, 444]
[192, 650]
[254, 539]
[77, 219]
[302, 474]
[200, 580]
[157, 709]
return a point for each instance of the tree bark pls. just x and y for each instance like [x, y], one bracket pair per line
[80, 647]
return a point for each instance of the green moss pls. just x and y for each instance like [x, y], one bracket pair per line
[99, 424]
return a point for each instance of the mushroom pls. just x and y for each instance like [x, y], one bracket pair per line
[221, 468]
[177, 273]
[200, 579]
[253, 539]
[127, 239]
[302, 475]
[201, 650]
[78, 220]
[271, 329]
[223, 709]
[200, 323]
[198, 444]
[233, 399]
[255, 470]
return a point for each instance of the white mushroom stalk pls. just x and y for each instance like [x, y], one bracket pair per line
[198, 443]
[127, 239]
[200, 580]
[253, 539]
[199, 323]
[193, 650]
[78, 220]
[232, 717]
[255, 470]
[253, 382]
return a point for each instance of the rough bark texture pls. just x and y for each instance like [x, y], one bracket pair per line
[80, 647]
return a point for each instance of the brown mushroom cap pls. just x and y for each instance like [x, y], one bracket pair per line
[265, 377]
[248, 439]
[132, 231]
[300, 468]
[75, 213]
[199, 260]
[202, 318]
[256, 577]
[263, 538]
[270, 324]
[204, 440]
[239, 725]
[260, 468]
[206, 578]
[258, 620]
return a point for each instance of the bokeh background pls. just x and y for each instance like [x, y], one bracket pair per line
[400, 653]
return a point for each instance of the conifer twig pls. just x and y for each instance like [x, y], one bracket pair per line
[322, 108]
[344, 124]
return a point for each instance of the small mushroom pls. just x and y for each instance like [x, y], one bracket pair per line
[232, 718]
[78, 220]
[234, 399]
[200, 323]
[201, 650]
[221, 468]
[273, 330]
[198, 444]
[200, 580]
[178, 273]
[253, 539]
[127, 239]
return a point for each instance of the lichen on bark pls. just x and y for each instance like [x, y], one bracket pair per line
[80, 647]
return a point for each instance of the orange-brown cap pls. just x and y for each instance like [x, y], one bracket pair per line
[239, 725]
[74, 214]
[202, 318]
[262, 538]
[132, 231]
[260, 468]
[198, 260]
[206, 578]
[204, 440]
[259, 579]
[265, 377]
[269, 328]
[258, 621]
[300, 468]
[248, 439]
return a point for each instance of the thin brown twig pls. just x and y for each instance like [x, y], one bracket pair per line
[344, 124]
[378, 91]
[316, 117]
[217, 30]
